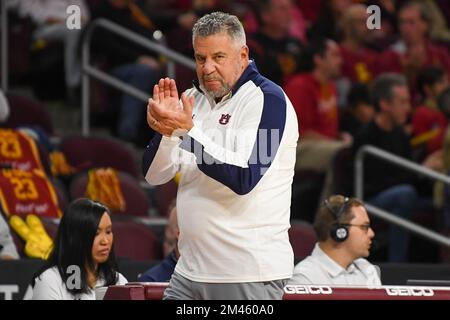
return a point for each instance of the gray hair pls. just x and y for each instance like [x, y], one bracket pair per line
[383, 87]
[218, 22]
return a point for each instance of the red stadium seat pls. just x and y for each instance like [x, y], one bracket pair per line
[135, 241]
[27, 112]
[155, 291]
[94, 152]
[136, 201]
[302, 237]
[129, 292]
[152, 290]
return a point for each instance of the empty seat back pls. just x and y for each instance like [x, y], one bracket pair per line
[95, 152]
[136, 201]
[135, 241]
[302, 237]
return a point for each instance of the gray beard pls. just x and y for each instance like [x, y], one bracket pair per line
[218, 93]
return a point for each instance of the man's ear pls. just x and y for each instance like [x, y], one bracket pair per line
[244, 52]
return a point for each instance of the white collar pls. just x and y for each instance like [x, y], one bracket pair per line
[331, 266]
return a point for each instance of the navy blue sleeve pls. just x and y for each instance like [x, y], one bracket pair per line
[243, 180]
[161, 272]
[147, 276]
[150, 152]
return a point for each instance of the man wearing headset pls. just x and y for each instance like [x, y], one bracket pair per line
[344, 237]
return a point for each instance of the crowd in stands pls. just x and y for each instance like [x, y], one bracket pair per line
[350, 86]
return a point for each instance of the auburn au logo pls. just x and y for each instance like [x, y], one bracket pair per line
[224, 119]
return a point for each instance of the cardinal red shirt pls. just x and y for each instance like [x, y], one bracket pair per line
[315, 104]
[358, 66]
[427, 119]
[390, 60]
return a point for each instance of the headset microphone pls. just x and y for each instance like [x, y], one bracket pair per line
[338, 231]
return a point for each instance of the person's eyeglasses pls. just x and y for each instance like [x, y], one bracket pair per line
[365, 227]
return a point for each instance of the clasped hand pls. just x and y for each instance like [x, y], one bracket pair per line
[164, 112]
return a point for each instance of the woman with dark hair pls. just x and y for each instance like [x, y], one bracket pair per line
[83, 257]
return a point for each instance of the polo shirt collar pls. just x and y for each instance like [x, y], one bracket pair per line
[331, 266]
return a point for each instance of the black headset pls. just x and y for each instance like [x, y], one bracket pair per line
[338, 231]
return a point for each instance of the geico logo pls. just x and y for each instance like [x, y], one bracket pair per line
[422, 292]
[308, 289]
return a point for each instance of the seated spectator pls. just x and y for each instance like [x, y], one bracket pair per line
[344, 235]
[8, 249]
[387, 33]
[327, 24]
[415, 50]
[429, 123]
[359, 110]
[358, 60]
[385, 185]
[276, 53]
[313, 95]
[247, 14]
[83, 257]
[163, 271]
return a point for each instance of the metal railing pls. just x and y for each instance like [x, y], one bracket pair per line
[4, 45]
[405, 164]
[91, 71]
